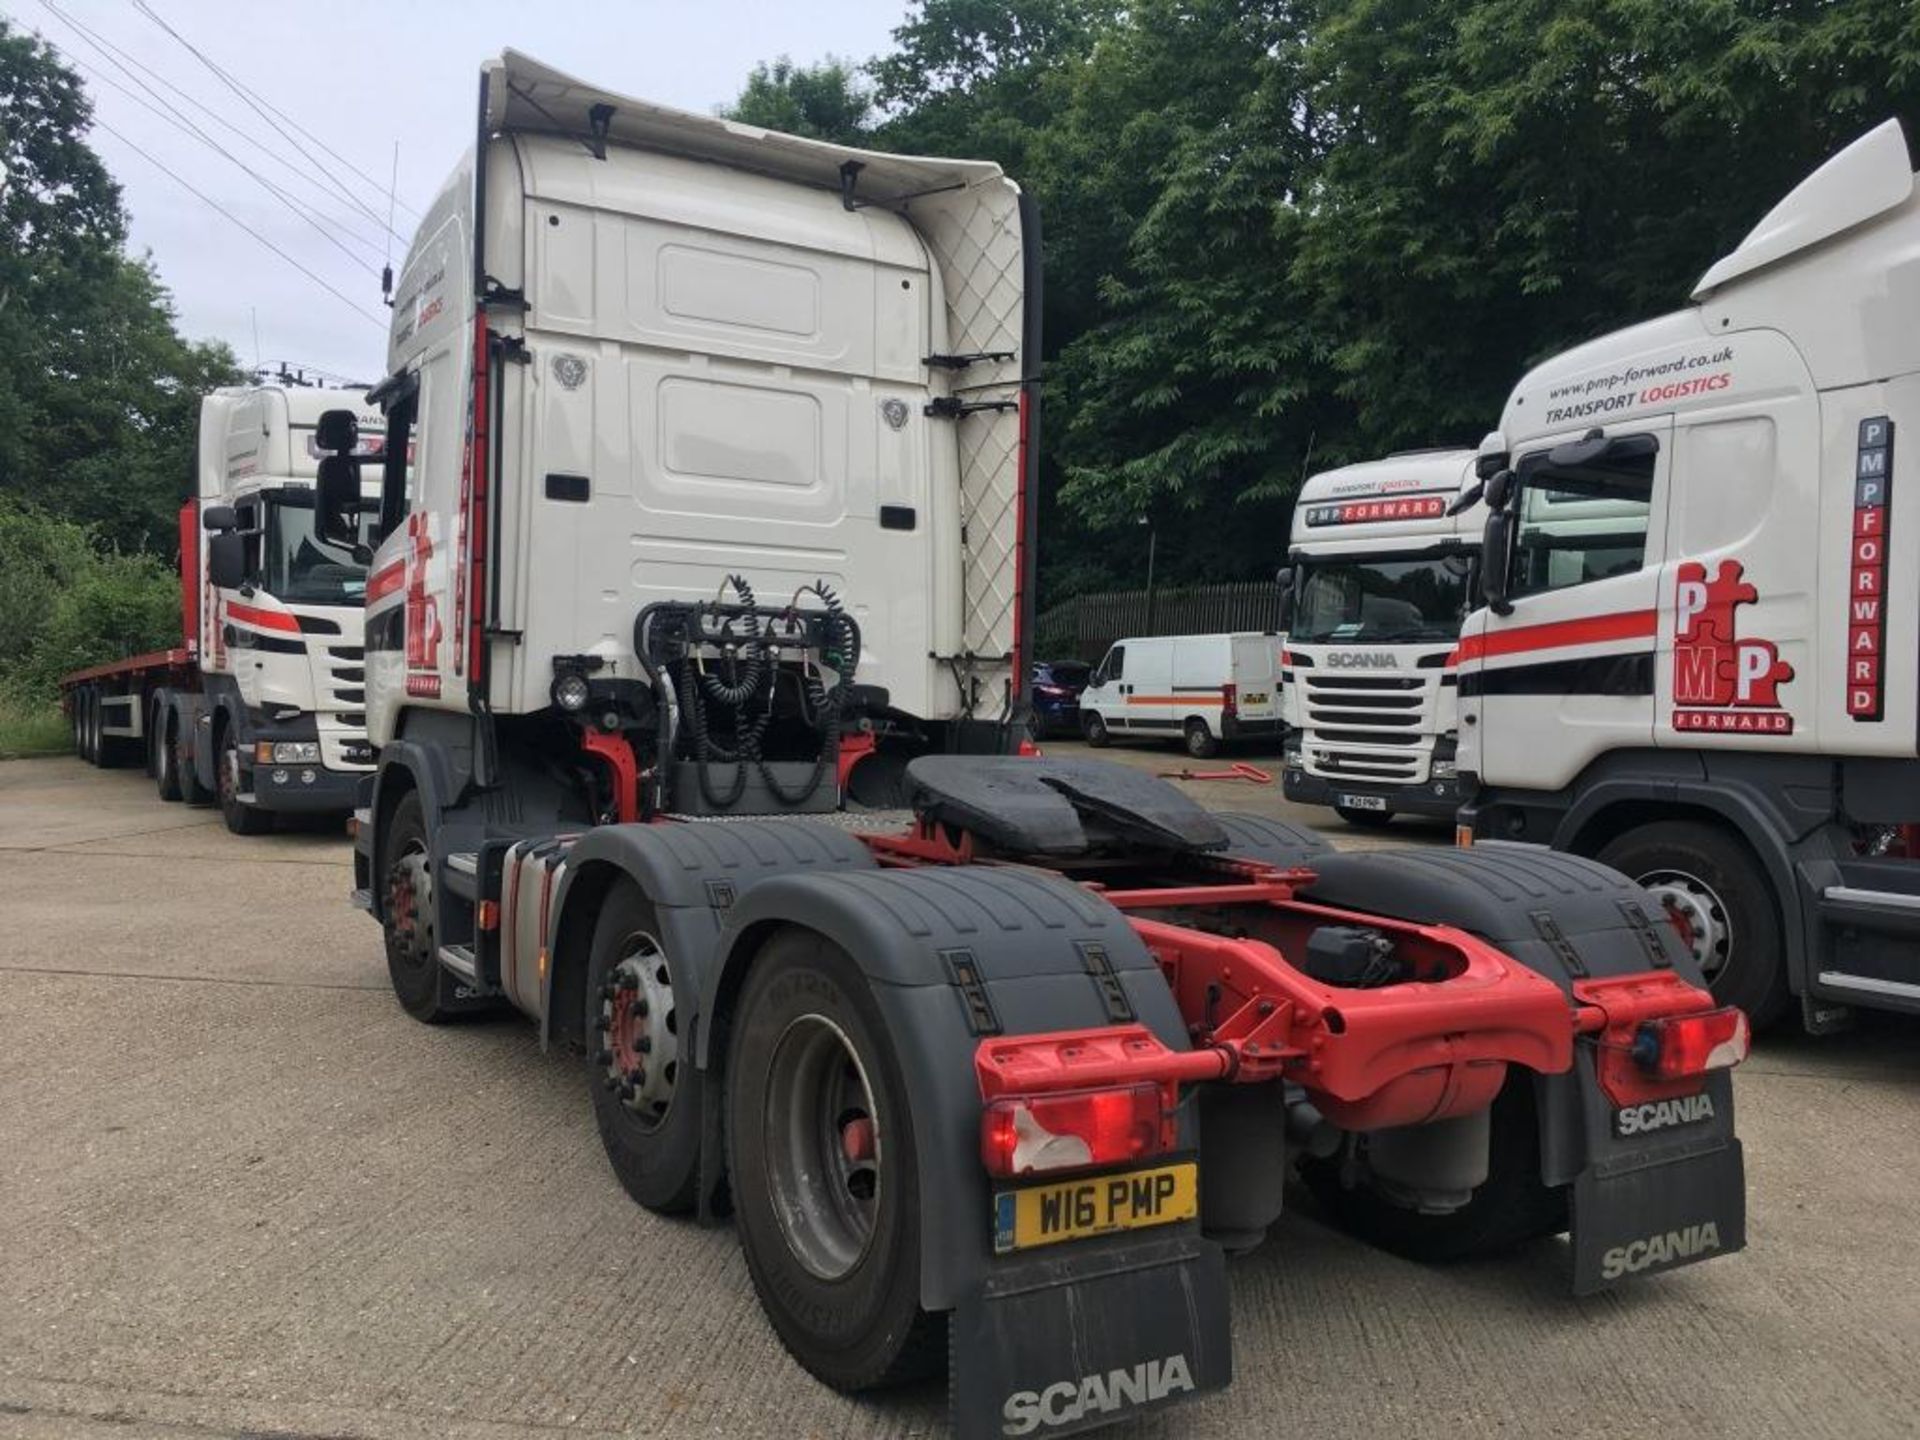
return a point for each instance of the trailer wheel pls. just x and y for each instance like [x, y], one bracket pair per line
[1200, 741]
[1715, 892]
[241, 818]
[166, 755]
[647, 1097]
[89, 702]
[820, 1149]
[409, 916]
[1512, 1206]
[1094, 727]
[1364, 819]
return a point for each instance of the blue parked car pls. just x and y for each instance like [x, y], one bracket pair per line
[1056, 697]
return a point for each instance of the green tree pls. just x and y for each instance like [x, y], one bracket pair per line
[828, 101]
[98, 392]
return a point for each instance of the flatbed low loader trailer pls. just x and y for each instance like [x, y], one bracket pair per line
[261, 708]
[704, 491]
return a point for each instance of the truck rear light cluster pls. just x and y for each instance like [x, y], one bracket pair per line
[1229, 699]
[1029, 1134]
[1680, 1046]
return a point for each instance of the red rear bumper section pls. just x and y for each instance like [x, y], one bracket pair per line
[1430, 1048]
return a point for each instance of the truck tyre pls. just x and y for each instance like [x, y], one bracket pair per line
[1716, 892]
[191, 790]
[647, 1098]
[409, 918]
[1201, 743]
[241, 818]
[1094, 727]
[1364, 819]
[825, 1181]
[1512, 1206]
[166, 756]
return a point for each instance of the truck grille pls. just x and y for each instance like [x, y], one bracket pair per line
[347, 675]
[1367, 727]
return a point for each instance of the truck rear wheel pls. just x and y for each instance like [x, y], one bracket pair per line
[166, 755]
[88, 708]
[821, 1154]
[191, 790]
[646, 1096]
[409, 917]
[1716, 893]
[1200, 741]
[1513, 1205]
[241, 818]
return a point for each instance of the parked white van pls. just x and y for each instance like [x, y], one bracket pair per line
[1201, 689]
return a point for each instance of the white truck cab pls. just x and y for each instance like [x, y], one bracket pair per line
[1382, 566]
[1201, 690]
[279, 724]
[1700, 653]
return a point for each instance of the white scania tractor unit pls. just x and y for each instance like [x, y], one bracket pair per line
[706, 474]
[261, 708]
[1380, 575]
[1700, 655]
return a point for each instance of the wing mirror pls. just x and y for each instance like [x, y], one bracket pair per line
[227, 558]
[216, 518]
[1496, 558]
[1284, 579]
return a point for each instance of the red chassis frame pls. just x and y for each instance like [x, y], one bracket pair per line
[1402, 1054]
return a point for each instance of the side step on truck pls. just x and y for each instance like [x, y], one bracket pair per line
[1699, 660]
[705, 491]
[261, 708]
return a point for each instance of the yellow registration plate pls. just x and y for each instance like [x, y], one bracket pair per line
[1095, 1205]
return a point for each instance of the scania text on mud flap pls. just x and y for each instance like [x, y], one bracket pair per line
[995, 1078]
[261, 707]
[1700, 656]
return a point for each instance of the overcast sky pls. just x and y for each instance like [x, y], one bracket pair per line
[359, 76]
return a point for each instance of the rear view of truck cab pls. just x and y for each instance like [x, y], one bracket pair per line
[1382, 569]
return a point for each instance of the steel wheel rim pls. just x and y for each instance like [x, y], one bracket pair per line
[410, 907]
[1698, 913]
[823, 1147]
[640, 1030]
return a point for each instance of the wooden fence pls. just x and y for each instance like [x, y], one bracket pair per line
[1082, 628]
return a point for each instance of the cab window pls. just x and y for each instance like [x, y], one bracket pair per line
[1113, 666]
[1582, 519]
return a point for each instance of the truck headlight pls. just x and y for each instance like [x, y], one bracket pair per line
[287, 752]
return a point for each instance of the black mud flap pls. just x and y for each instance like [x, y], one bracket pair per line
[1633, 1219]
[1054, 1345]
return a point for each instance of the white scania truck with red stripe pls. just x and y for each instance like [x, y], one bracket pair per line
[261, 708]
[706, 472]
[1379, 577]
[1700, 655]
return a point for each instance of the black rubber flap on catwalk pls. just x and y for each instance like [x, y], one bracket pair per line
[1058, 807]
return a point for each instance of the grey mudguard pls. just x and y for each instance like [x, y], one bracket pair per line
[1650, 1200]
[1091, 1308]
[692, 874]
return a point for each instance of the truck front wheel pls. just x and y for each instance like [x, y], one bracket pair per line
[242, 818]
[409, 917]
[646, 1095]
[821, 1153]
[1716, 894]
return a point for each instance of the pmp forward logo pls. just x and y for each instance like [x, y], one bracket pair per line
[1722, 682]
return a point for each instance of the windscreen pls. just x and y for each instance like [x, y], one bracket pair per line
[300, 568]
[1376, 598]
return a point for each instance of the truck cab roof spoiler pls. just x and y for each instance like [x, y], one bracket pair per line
[524, 95]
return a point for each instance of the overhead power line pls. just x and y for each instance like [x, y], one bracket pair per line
[242, 225]
[174, 118]
[273, 116]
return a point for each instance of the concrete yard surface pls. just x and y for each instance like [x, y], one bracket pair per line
[241, 1193]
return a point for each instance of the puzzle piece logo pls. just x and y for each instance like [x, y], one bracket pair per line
[1730, 680]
